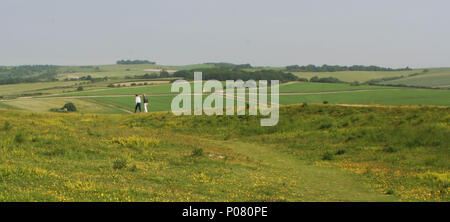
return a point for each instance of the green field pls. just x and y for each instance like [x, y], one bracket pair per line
[325, 87]
[157, 103]
[121, 100]
[24, 88]
[360, 76]
[315, 153]
[380, 97]
[155, 89]
[436, 78]
[121, 71]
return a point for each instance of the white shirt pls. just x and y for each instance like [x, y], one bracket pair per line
[138, 99]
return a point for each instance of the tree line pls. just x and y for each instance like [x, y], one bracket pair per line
[222, 74]
[27, 73]
[336, 68]
[225, 65]
[130, 62]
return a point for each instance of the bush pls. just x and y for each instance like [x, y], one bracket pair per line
[328, 156]
[325, 125]
[390, 192]
[119, 164]
[355, 83]
[7, 126]
[340, 152]
[80, 88]
[133, 168]
[197, 152]
[19, 138]
[390, 149]
[70, 107]
[325, 102]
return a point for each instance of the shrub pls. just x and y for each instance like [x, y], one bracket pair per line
[328, 156]
[119, 164]
[197, 152]
[7, 126]
[325, 102]
[326, 125]
[133, 168]
[390, 192]
[355, 83]
[80, 88]
[133, 84]
[19, 138]
[70, 107]
[340, 152]
[390, 149]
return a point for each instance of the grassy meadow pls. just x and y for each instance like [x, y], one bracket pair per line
[315, 153]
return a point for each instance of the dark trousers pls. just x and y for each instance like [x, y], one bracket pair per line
[137, 105]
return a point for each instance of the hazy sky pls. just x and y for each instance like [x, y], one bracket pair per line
[393, 33]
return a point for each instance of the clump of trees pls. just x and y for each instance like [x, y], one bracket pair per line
[92, 79]
[27, 73]
[225, 65]
[129, 62]
[68, 107]
[223, 74]
[326, 80]
[336, 68]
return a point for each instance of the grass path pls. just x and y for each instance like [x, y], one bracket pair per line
[312, 182]
[308, 182]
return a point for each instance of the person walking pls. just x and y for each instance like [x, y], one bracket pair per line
[145, 102]
[138, 103]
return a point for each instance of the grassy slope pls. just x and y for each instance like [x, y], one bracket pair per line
[120, 71]
[44, 105]
[78, 157]
[360, 76]
[22, 88]
[433, 78]
[157, 89]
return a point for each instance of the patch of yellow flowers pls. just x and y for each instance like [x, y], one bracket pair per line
[135, 141]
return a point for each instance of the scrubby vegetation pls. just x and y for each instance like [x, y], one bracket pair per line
[68, 107]
[27, 73]
[315, 153]
[337, 68]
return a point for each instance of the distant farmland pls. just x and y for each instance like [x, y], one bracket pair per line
[439, 78]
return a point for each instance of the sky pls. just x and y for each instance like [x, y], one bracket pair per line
[391, 33]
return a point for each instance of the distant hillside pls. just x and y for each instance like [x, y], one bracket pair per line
[434, 78]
